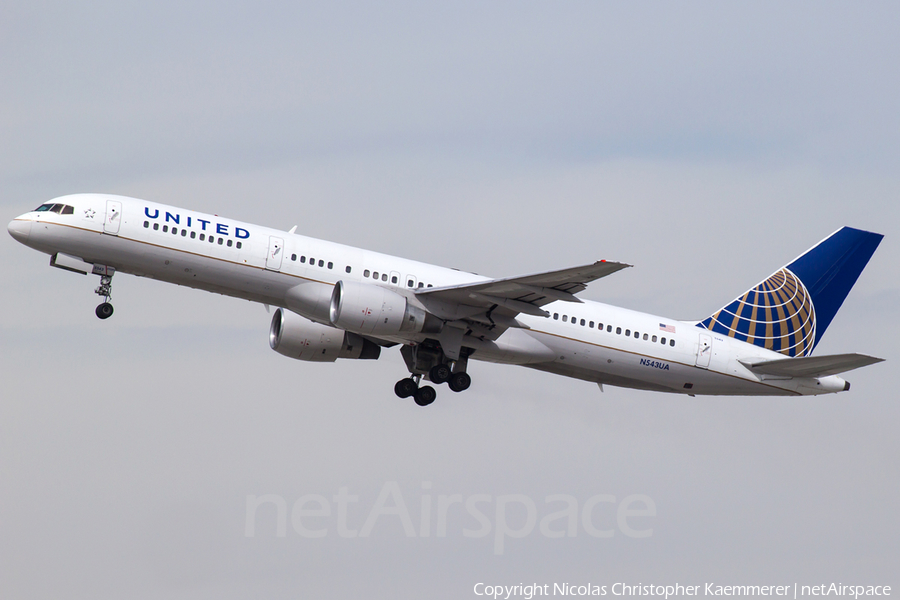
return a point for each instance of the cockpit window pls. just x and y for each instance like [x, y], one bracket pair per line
[64, 209]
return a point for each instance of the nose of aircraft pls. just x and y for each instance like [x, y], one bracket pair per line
[20, 229]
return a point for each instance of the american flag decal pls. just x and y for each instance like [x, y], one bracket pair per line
[667, 328]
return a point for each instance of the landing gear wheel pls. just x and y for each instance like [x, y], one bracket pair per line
[439, 373]
[425, 395]
[405, 387]
[459, 382]
[105, 310]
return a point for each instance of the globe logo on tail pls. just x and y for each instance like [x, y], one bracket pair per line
[777, 314]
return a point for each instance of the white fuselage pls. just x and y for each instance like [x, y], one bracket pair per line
[298, 273]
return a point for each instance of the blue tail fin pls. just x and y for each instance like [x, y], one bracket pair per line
[789, 311]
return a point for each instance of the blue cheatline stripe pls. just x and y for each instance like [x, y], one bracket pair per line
[831, 268]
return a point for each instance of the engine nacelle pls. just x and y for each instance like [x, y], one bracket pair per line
[310, 299]
[297, 337]
[370, 309]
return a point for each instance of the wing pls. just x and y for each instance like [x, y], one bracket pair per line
[485, 309]
[525, 294]
[811, 366]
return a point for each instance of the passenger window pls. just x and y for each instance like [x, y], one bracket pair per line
[421, 284]
[68, 210]
[636, 335]
[663, 341]
[194, 235]
[366, 273]
[627, 333]
[429, 285]
[202, 237]
[645, 337]
[618, 330]
[184, 233]
[565, 318]
[321, 263]
[671, 342]
[165, 229]
[384, 276]
[374, 274]
[609, 328]
[146, 224]
[600, 326]
[294, 257]
[330, 265]
[174, 231]
[409, 283]
[220, 241]
[229, 243]
[302, 259]
[591, 324]
[239, 245]
[393, 279]
[347, 269]
[654, 339]
[212, 239]
[582, 322]
[556, 316]
[312, 262]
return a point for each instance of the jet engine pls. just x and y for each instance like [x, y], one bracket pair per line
[374, 310]
[297, 337]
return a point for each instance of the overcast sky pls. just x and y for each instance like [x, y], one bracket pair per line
[706, 144]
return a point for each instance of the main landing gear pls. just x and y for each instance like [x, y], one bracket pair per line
[423, 395]
[105, 310]
[459, 382]
[427, 361]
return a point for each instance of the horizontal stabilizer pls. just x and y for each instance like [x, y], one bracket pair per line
[811, 366]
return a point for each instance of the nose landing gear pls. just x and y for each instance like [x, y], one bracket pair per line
[105, 310]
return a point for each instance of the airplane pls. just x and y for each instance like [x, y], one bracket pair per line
[336, 301]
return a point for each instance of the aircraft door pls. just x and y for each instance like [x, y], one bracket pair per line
[275, 254]
[704, 350]
[113, 217]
